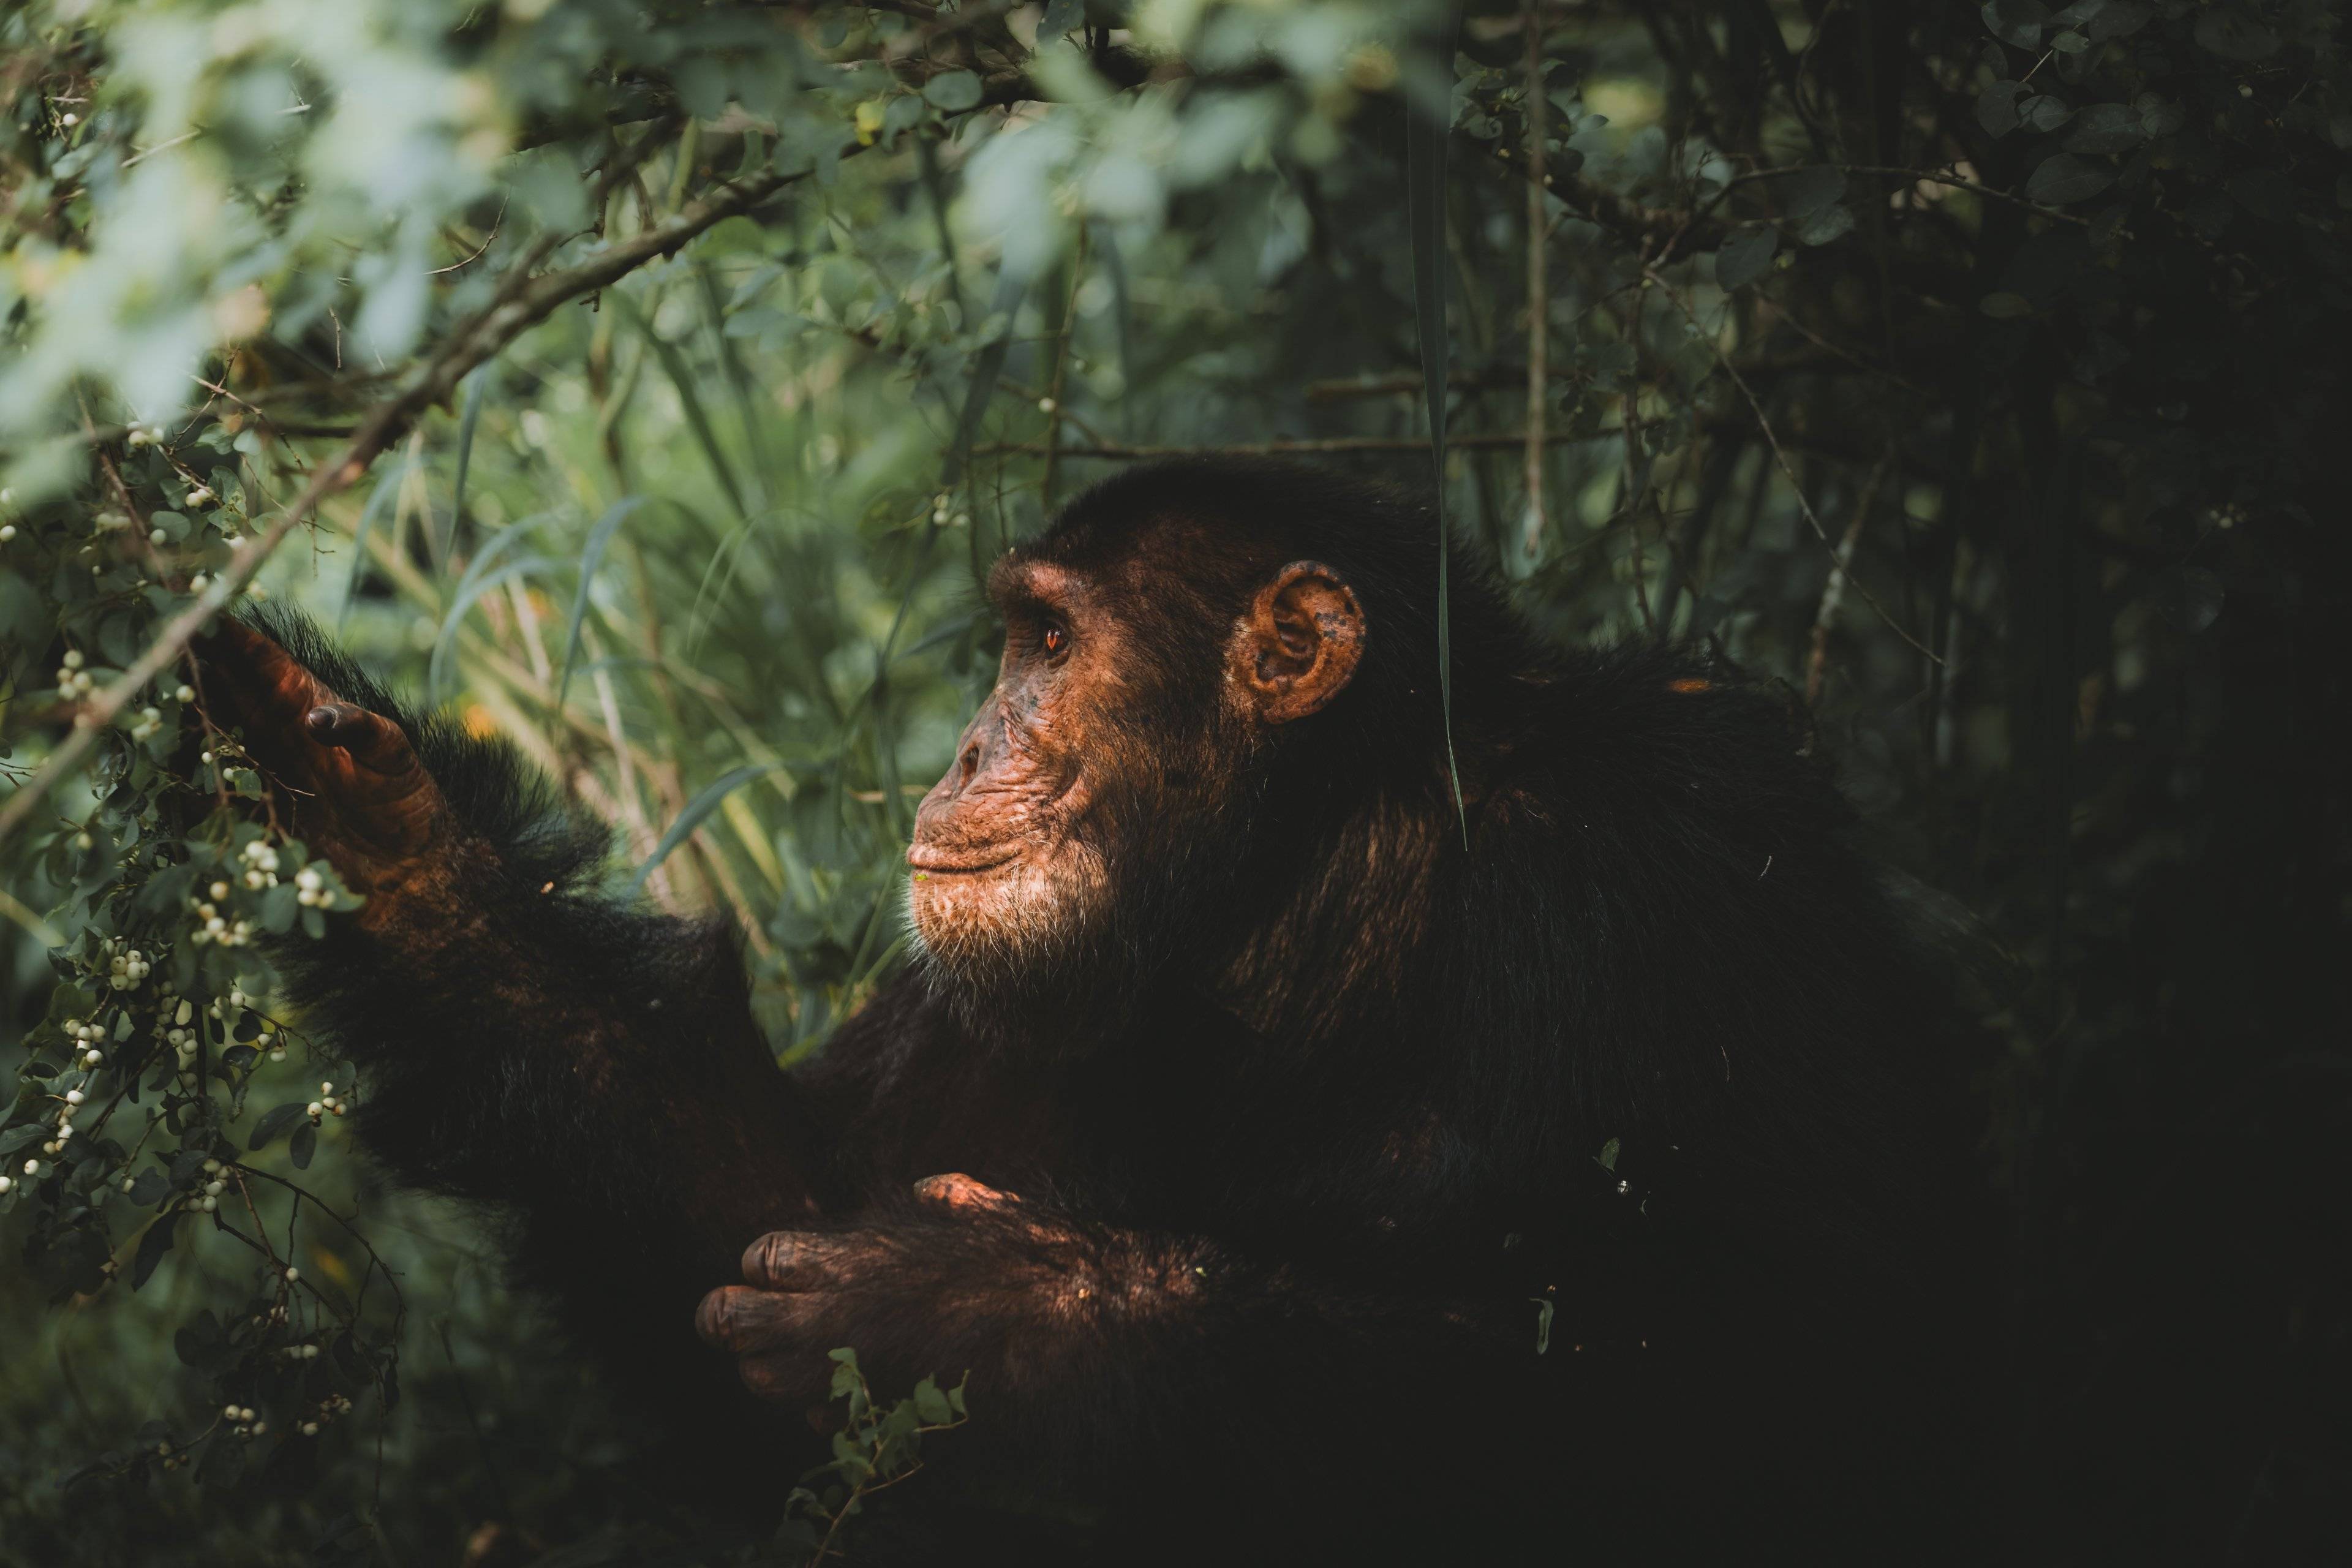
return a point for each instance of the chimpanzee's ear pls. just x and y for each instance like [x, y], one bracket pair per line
[1297, 644]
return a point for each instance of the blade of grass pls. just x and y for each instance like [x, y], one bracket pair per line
[1011, 290]
[935, 187]
[740, 383]
[443, 645]
[691, 816]
[387, 490]
[728, 554]
[474, 384]
[1115, 266]
[690, 397]
[470, 587]
[1425, 145]
[591, 558]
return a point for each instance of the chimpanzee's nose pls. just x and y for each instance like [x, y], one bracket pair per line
[973, 754]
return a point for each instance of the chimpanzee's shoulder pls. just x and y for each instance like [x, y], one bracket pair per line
[1674, 702]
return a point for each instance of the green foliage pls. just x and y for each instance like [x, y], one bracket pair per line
[876, 1448]
[654, 380]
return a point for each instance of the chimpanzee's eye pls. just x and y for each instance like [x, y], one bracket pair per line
[1053, 640]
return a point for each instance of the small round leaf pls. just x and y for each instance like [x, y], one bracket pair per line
[953, 91]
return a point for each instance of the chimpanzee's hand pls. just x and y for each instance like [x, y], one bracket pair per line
[348, 778]
[897, 1296]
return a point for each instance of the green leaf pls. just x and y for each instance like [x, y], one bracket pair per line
[475, 383]
[2004, 307]
[1828, 223]
[2104, 128]
[691, 816]
[1809, 190]
[1997, 108]
[2017, 22]
[590, 557]
[953, 91]
[1062, 19]
[24, 617]
[304, 1143]
[690, 397]
[197, 1343]
[2118, 20]
[1012, 287]
[2065, 178]
[476, 580]
[1609, 1152]
[279, 905]
[276, 1120]
[151, 1247]
[2234, 36]
[1746, 256]
[932, 1404]
[2044, 112]
[749, 411]
[2265, 193]
[2158, 116]
[386, 489]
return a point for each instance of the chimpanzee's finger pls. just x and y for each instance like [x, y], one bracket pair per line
[956, 1190]
[798, 1260]
[738, 1318]
[798, 1374]
[373, 741]
[257, 679]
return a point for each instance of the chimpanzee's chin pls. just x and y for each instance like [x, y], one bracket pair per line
[1056, 1007]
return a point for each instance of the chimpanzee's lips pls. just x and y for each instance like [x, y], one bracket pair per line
[932, 863]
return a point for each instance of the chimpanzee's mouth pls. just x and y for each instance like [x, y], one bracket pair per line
[930, 863]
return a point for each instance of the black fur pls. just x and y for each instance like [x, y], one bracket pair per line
[1653, 1048]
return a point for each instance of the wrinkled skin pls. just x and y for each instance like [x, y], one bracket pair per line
[796, 1284]
[1005, 836]
[1021, 851]
[349, 779]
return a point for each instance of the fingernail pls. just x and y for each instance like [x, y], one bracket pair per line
[321, 720]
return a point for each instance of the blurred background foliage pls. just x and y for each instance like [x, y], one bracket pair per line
[650, 379]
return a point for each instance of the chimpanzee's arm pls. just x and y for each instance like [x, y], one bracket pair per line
[523, 1038]
[1103, 1360]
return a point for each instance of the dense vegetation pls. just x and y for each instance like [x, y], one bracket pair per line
[650, 378]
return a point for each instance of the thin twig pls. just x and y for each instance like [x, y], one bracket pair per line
[522, 302]
[1781, 456]
[1054, 391]
[1833, 591]
[1932, 176]
[1332, 444]
[1539, 289]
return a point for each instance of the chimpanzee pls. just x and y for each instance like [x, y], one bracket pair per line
[1318, 1125]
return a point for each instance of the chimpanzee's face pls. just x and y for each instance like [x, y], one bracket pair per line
[1012, 855]
[1100, 778]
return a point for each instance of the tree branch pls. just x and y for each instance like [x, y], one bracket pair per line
[1114, 453]
[523, 302]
